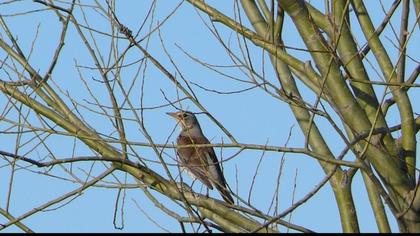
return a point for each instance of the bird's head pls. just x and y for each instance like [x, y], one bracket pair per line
[187, 120]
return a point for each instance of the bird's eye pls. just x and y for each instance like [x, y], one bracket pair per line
[184, 115]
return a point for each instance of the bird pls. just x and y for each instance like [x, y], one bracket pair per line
[199, 162]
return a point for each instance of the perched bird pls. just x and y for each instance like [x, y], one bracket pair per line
[199, 162]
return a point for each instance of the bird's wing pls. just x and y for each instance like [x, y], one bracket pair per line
[215, 173]
[192, 160]
[214, 170]
[203, 164]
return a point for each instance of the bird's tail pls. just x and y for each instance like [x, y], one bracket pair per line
[224, 192]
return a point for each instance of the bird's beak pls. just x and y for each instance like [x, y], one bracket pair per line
[173, 114]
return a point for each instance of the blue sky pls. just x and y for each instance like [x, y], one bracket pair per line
[252, 117]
